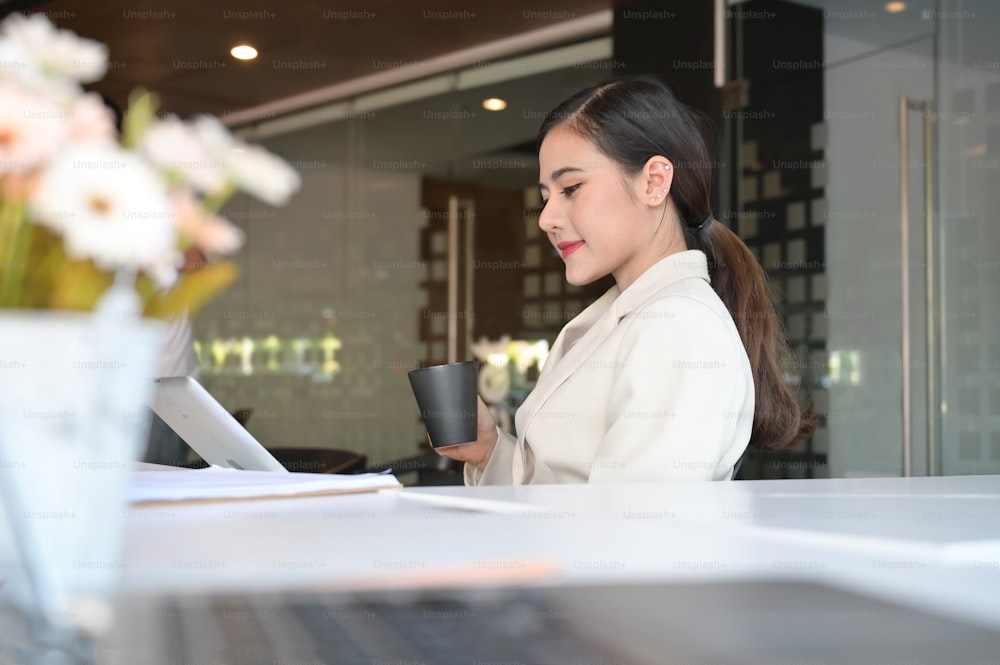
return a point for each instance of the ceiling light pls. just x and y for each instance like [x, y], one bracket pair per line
[244, 52]
[895, 7]
[494, 104]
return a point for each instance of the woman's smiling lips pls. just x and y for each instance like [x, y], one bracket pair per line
[568, 248]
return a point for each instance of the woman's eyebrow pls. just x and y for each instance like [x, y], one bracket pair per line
[561, 172]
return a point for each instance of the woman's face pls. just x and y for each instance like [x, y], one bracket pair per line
[594, 215]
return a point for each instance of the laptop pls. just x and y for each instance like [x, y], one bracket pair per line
[211, 431]
[656, 622]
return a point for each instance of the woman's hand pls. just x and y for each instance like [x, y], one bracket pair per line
[476, 452]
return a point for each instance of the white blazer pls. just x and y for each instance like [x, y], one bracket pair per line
[649, 384]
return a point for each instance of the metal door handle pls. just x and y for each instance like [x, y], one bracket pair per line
[924, 106]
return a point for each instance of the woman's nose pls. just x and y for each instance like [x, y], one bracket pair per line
[548, 218]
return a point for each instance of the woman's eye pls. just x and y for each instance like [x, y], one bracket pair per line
[567, 192]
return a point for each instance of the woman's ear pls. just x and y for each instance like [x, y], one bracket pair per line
[658, 176]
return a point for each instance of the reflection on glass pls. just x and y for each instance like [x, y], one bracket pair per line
[522, 359]
[330, 345]
[246, 356]
[845, 368]
[272, 345]
[312, 358]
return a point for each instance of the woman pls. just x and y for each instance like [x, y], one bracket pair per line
[675, 370]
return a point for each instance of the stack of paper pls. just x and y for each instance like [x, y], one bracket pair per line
[217, 484]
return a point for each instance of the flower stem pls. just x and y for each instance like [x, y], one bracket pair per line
[16, 232]
[213, 203]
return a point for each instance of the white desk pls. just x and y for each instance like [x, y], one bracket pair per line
[928, 542]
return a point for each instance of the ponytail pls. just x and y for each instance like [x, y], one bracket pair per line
[779, 421]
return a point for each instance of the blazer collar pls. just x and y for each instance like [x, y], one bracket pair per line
[682, 265]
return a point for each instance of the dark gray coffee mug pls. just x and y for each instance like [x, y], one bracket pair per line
[446, 395]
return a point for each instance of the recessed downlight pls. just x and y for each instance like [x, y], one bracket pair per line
[243, 52]
[895, 7]
[494, 104]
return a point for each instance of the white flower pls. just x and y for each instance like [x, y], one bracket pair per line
[111, 207]
[32, 129]
[15, 62]
[210, 233]
[253, 169]
[178, 149]
[264, 175]
[213, 135]
[57, 53]
[92, 120]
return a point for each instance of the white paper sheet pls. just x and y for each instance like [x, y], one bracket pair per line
[215, 483]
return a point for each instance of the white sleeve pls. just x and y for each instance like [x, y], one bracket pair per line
[679, 408]
[499, 469]
[177, 356]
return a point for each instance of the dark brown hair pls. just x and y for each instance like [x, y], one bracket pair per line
[635, 118]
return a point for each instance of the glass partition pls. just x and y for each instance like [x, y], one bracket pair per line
[864, 156]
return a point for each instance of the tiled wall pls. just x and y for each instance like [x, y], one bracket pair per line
[337, 267]
[777, 181]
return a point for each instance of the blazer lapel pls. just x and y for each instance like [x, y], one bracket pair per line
[577, 342]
